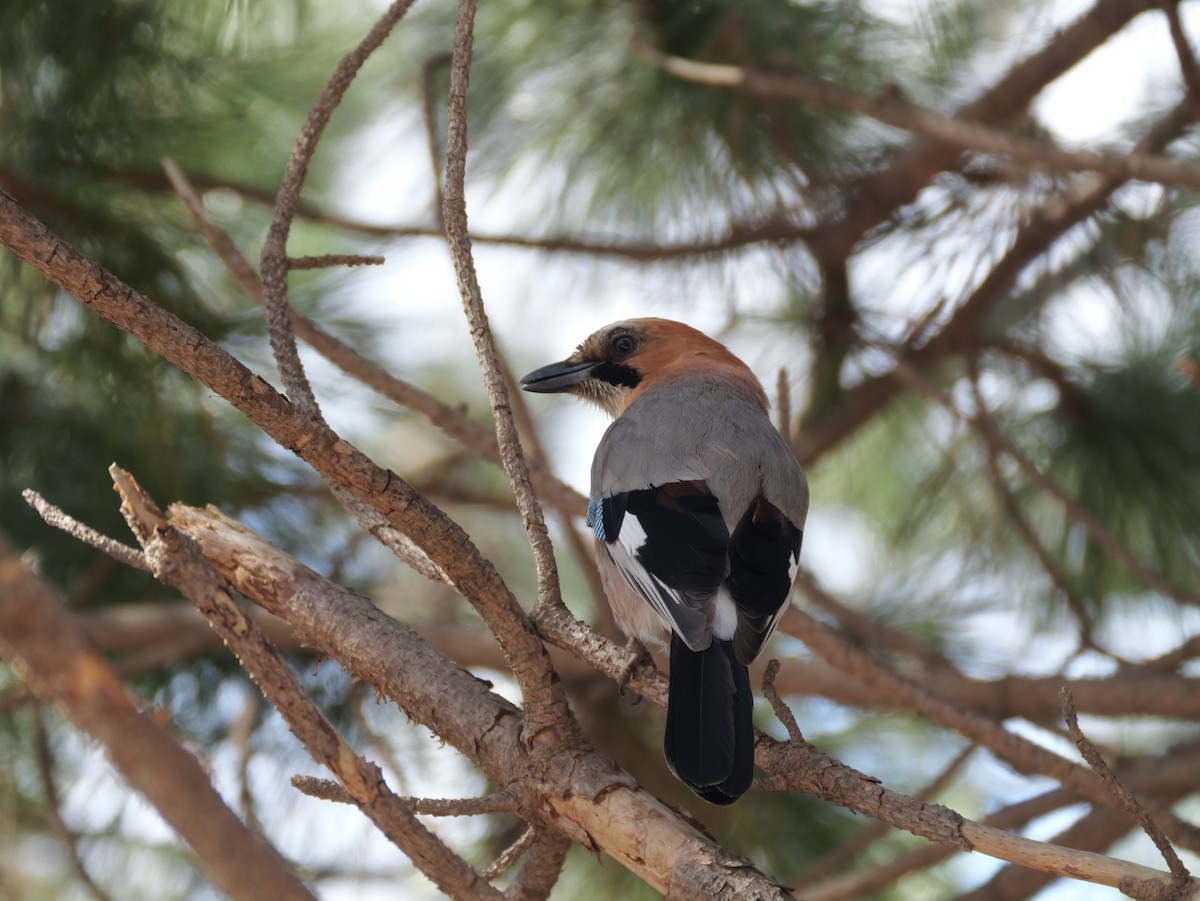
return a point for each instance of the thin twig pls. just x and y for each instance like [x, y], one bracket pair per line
[360, 696]
[328, 790]
[1013, 508]
[782, 711]
[1096, 761]
[58, 518]
[429, 69]
[539, 718]
[328, 260]
[510, 855]
[322, 789]
[453, 420]
[274, 264]
[241, 737]
[893, 110]
[536, 456]
[45, 762]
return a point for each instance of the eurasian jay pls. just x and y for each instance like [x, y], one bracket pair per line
[698, 507]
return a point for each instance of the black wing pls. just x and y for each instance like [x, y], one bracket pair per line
[670, 543]
[764, 554]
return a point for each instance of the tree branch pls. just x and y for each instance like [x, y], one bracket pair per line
[45, 763]
[1086, 196]
[961, 133]
[882, 192]
[1180, 875]
[50, 652]
[544, 860]
[580, 794]
[274, 253]
[176, 560]
[1020, 753]
[548, 718]
[339, 463]
[453, 420]
[63, 521]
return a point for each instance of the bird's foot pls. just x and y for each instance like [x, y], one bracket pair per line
[637, 655]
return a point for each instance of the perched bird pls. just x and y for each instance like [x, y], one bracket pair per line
[698, 506]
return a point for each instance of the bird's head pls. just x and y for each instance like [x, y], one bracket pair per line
[615, 364]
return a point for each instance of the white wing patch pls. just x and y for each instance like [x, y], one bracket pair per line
[689, 623]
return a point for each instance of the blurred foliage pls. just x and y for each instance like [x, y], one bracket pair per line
[633, 146]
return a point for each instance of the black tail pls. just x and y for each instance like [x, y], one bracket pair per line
[710, 735]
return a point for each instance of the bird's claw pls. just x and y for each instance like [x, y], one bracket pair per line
[637, 655]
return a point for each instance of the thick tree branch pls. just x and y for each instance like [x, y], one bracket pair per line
[1019, 752]
[50, 652]
[453, 420]
[176, 560]
[580, 794]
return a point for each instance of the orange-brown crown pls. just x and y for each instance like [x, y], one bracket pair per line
[617, 363]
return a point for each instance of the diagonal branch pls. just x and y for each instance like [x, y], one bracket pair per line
[543, 863]
[50, 651]
[588, 799]
[1028, 534]
[961, 133]
[880, 193]
[176, 560]
[59, 519]
[452, 420]
[1097, 530]
[338, 462]
[1180, 875]
[1017, 751]
[1188, 67]
[1085, 197]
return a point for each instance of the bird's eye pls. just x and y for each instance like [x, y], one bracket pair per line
[623, 345]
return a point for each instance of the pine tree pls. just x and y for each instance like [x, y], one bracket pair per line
[988, 355]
